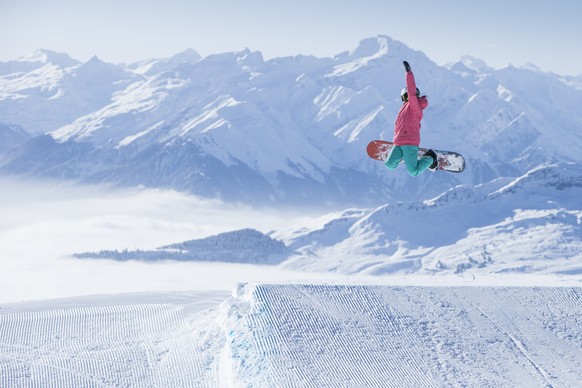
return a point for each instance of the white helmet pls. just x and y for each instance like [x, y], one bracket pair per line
[404, 94]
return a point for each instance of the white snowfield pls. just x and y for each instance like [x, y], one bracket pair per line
[299, 335]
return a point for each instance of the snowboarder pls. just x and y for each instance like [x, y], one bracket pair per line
[407, 131]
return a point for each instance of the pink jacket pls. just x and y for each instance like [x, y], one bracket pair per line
[407, 127]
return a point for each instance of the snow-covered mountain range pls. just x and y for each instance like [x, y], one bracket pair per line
[286, 130]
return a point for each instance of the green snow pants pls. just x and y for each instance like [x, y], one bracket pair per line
[414, 166]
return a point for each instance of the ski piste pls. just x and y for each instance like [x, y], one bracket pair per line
[447, 160]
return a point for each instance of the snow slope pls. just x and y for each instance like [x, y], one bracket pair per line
[127, 340]
[302, 335]
[11, 136]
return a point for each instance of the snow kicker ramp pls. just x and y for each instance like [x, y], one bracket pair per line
[300, 336]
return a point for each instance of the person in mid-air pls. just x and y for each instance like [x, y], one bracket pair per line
[407, 131]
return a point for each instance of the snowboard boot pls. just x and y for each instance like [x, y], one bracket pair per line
[435, 162]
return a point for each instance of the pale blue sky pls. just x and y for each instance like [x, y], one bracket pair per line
[546, 33]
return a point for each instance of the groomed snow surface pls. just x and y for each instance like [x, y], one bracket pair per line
[299, 335]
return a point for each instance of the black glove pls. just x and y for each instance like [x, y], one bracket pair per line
[406, 66]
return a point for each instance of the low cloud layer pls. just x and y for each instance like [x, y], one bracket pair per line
[43, 223]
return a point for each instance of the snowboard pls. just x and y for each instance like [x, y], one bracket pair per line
[447, 160]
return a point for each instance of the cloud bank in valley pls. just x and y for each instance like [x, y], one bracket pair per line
[44, 222]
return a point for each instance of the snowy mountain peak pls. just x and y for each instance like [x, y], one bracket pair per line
[474, 63]
[239, 59]
[188, 55]
[532, 67]
[47, 56]
[94, 64]
[250, 58]
[156, 66]
[37, 60]
[369, 50]
[468, 62]
[100, 73]
[94, 59]
[382, 51]
[373, 47]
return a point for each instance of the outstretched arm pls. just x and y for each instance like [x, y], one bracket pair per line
[411, 87]
[410, 82]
